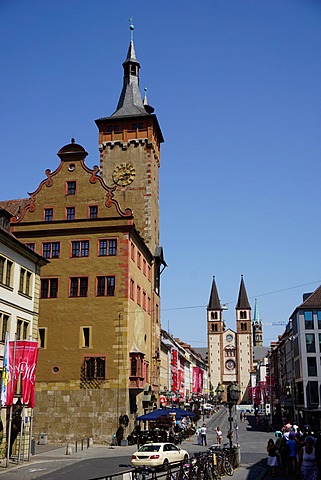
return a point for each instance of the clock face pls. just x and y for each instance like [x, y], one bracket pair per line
[230, 364]
[229, 337]
[124, 174]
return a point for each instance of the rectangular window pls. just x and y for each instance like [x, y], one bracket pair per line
[25, 282]
[131, 289]
[308, 320]
[106, 286]
[132, 251]
[71, 188]
[312, 366]
[4, 325]
[95, 368]
[139, 300]
[80, 249]
[148, 305]
[109, 128]
[42, 337]
[6, 271]
[140, 126]
[144, 300]
[51, 249]
[85, 337]
[48, 214]
[310, 342]
[22, 330]
[70, 213]
[144, 267]
[313, 393]
[157, 313]
[319, 319]
[31, 246]
[107, 247]
[149, 273]
[78, 286]
[93, 211]
[116, 128]
[139, 260]
[49, 288]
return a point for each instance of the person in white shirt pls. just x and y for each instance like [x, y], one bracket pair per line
[219, 435]
[203, 434]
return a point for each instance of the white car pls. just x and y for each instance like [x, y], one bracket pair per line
[158, 455]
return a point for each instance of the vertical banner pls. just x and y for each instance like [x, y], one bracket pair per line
[197, 380]
[22, 359]
[5, 372]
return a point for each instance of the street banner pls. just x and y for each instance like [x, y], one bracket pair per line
[22, 359]
[5, 372]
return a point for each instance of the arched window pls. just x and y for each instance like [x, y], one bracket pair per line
[243, 314]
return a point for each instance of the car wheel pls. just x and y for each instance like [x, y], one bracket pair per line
[165, 465]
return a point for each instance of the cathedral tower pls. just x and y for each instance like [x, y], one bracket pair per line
[244, 339]
[129, 144]
[215, 329]
[257, 327]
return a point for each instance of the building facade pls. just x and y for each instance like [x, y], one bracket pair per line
[230, 353]
[99, 325]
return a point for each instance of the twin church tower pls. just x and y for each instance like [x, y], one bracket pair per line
[230, 353]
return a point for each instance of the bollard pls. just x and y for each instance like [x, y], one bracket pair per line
[90, 442]
[68, 450]
[33, 446]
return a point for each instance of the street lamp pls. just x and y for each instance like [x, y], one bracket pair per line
[219, 392]
[234, 395]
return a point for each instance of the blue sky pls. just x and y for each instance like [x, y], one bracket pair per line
[236, 88]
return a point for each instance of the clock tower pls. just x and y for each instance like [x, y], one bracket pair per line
[129, 144]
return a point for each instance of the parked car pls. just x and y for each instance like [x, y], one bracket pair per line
[158, 455]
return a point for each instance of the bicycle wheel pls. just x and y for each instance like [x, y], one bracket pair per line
[228, 469]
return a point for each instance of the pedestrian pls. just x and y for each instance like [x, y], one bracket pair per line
[244, 416]
[272, 459]
[307, 465]
[203, 434]
[219, 435]
[198, 434]
[241, 416]
[293, 450]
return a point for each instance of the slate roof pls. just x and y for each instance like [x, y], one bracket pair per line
[130, 102]
[260, 352]
[14, 206]
[242, 301]
[312, 301]
[214, 302]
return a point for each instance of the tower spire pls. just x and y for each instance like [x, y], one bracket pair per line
[130, 101]
[242, 301]
[214, 301]
[256, 317]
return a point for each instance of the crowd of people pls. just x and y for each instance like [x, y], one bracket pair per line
[295, 451]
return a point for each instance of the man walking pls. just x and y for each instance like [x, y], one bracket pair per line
[203, 434]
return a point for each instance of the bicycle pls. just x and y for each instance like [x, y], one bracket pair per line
[140, 473]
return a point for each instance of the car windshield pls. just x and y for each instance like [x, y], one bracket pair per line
[149, 448]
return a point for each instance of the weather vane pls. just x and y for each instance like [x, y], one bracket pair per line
[131, 27]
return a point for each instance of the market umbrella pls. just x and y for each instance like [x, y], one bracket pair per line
[165, 412]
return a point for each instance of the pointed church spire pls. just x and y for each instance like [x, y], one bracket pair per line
[130, 102]
[214, 302]
[256, 318]
[242, 301]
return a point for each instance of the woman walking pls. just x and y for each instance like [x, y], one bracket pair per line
[272, 459]
[307, 464]
[219, 435]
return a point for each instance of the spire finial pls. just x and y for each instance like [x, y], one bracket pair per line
[131, 27]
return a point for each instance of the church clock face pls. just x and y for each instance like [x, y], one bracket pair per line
[230, 364]
[124, 174]
[229, 337]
